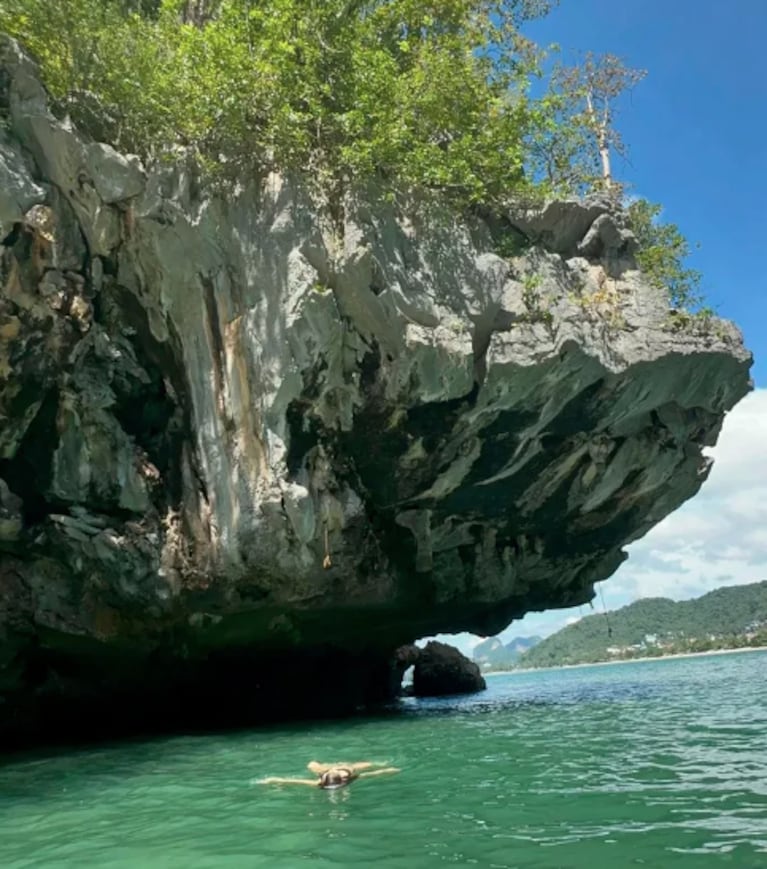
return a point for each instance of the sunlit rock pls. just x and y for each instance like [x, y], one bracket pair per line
[259, 444]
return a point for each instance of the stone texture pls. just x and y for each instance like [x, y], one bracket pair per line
[115, 177]
[256, 442]
[18, 192]
[440, 669]
[11, 520]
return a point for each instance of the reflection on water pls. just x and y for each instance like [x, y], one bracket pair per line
[654, 764]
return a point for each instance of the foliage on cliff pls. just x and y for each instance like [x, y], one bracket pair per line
[719, 619]
[413, 93]
[429, 93]
[663, 251]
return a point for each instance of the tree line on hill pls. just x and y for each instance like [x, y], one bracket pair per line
[727, 618]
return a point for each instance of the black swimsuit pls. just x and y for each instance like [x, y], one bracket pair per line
[337, 777]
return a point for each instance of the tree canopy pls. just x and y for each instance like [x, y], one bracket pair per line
[424, 92]
[429, 93]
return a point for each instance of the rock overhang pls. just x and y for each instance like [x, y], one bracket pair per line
[240, 424]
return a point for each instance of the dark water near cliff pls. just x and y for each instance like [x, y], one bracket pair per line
[660, 764]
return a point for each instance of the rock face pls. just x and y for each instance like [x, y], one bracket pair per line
[251, 439]
[441, 669]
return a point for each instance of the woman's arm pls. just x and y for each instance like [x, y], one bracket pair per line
[319, 768]
[385, 771]
[277, 780]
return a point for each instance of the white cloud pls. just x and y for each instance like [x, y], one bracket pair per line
[719, 537]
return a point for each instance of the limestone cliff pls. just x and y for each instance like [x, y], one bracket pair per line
[252, 441]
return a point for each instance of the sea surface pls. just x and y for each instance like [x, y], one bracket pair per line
[652, 764]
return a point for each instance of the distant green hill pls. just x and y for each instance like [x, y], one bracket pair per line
[494, 653]
[725, 618]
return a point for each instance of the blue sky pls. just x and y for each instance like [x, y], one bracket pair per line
[696, 128]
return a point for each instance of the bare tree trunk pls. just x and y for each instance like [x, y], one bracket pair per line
[604, 156]
[600, 131]
[197, 12]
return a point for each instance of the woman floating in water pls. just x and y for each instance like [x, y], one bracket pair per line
[333, 775]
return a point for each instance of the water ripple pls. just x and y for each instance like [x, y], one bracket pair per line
[654, 765]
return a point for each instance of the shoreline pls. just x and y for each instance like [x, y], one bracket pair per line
[643, 660]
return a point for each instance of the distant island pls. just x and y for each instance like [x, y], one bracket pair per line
[494, 654]
[728, 618]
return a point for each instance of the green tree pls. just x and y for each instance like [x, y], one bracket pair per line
[663, 251]
[430, 93]
[577, 123]
[413, 93]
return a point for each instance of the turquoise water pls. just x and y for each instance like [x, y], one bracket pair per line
[660, 764]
